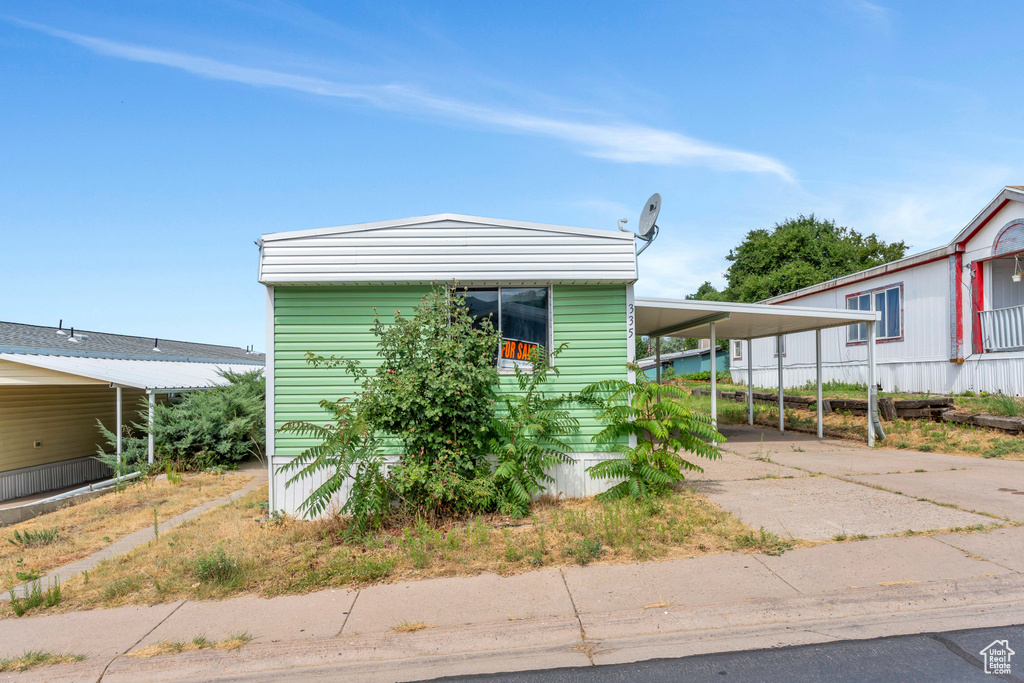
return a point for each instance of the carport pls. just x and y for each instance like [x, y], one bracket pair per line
[657, 318]
[152, 377]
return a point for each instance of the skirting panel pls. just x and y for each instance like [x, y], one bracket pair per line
[30, 480]
[571, 481]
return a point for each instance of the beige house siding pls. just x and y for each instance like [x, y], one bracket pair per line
[19, 374]
[61, 418]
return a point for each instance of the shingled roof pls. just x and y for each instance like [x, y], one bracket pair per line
[53, 341]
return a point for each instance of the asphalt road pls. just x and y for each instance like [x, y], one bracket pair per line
[951, 656]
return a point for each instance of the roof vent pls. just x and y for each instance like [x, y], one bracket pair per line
[156, 344]
[60, 328]
[72, 337]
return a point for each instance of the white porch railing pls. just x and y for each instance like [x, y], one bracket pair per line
[1002, 329]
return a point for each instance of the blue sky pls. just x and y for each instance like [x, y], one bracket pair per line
[144, 147]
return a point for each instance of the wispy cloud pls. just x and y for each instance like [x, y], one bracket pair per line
[622, 142]
[876, 15]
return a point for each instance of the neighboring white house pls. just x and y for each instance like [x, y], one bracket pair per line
[952, 317]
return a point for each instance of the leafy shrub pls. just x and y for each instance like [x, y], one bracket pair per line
[663, 428]
[220, 426]
[435, 390]
[350, 451]
[529, 436]
[35, 538]
[35, 597]
[217, 567]
[215, 427]
[705, 376]
[584, 550]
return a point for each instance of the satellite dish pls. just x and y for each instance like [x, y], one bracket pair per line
[649, 215]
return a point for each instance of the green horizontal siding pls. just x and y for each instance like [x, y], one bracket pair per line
[339, 320]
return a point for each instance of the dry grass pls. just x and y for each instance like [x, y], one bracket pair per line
[36, 658]
[918, 435]
[88, 527]
[228, 552]
[409, 627]
[167, 647]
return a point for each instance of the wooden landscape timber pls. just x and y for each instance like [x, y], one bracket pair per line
[939, 409]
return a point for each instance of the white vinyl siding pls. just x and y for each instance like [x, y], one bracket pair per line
[886, 300]
[449, 248]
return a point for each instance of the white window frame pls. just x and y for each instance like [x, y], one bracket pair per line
[737, 349]
[527, 367]
[882, 336]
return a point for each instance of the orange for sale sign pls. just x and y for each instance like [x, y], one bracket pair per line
[517, 350]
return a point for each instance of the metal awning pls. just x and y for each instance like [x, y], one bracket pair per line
[151, 375]
[690, 318]
[657, 318]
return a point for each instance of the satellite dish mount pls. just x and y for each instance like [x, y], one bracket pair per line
[648, 222]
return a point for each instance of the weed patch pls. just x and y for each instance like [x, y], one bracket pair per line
[36, 658]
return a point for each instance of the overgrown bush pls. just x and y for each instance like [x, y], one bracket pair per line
[434, 390]
[705, 376]
[215, 427]
[661, 425]
[529, 436]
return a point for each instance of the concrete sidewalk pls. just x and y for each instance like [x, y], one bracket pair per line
[798, 486]
[580, 616]
[571, 617]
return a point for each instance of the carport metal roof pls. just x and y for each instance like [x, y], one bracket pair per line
[152, 375]
[657, 318]
[691, 318]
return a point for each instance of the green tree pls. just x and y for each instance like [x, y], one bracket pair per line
[799, 252]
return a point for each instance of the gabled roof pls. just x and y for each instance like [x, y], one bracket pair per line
[446, 217]
[1005, 196]
[448, 247]
[1008, 194]
[38, 340]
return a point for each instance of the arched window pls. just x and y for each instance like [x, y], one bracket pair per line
[1010, 239]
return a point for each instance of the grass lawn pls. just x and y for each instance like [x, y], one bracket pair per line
[35, 547]
[919, 435]
[228, 551]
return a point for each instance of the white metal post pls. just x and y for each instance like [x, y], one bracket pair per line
[782, 405]
[268, 372]
[714, 380]
[657, 360]
[118, 390]
[750, 382]
[817, 358]
[152, 407]
[872, 389]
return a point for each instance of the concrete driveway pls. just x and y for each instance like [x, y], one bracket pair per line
[798, 486]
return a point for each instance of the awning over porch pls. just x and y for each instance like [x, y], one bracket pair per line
[689, 318]
[657, 318]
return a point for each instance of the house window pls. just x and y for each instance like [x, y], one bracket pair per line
[737, 350]
[886, 300]
[522, 316]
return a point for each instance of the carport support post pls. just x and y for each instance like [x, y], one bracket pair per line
[782, 409]
[714, 380]
[872, 388]
[817, 362]
[657, 360]
[750, 382]
[118, 390]
[152, 406]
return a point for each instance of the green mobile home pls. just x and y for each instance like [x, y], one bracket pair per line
[545, 284]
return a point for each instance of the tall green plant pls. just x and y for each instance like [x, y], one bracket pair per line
[349, 452]
[662, 428]
[529, 435]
